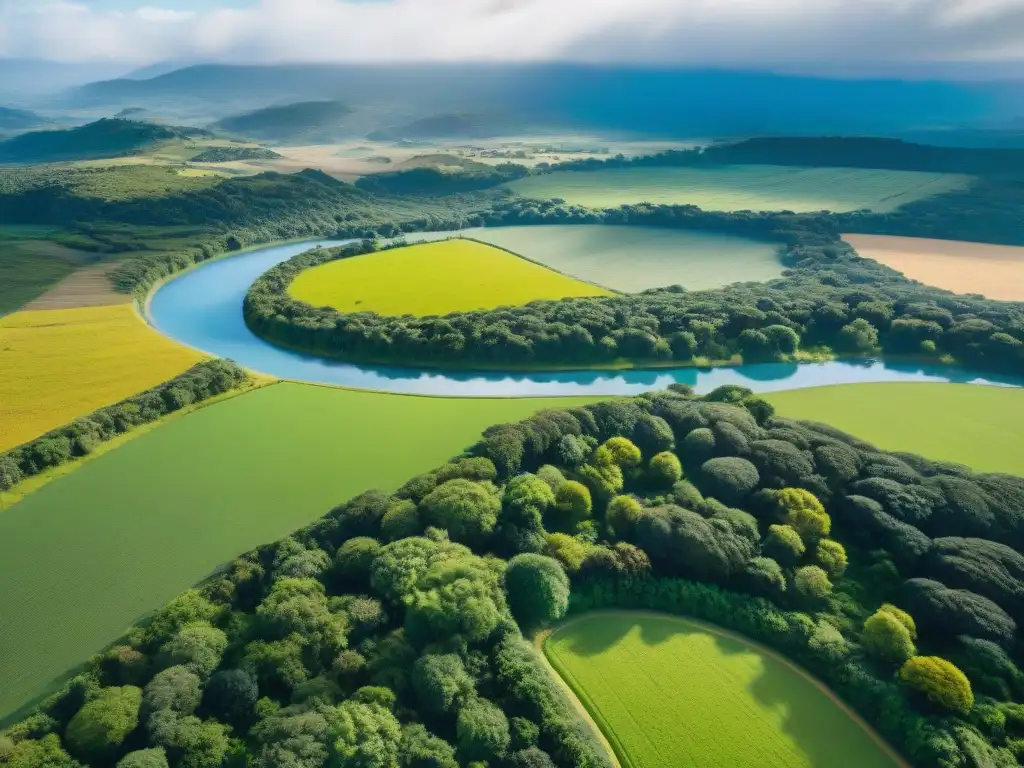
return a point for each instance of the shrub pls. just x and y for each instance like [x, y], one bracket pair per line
[804, 513]
[622, 515]
[812, 583]
[886, 638]
[697, 447]
[902, 617]
[665, 470]
[940, 682]
[102, 725]
[784, 544]
[537, 588]
[618, 451]
[731, 480]
[831, 555]
[467, 510]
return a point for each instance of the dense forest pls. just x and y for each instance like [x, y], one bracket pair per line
[230, 154]
[81, 437]
[104, 138]
[390, 632]
[828, 298]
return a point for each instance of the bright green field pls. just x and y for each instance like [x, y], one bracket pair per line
[632, 259]
[433, 279]
[741, 187]
[969, 424]
[667, 692]
[85, 556]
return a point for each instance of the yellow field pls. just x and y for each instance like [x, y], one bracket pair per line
[434, 279]
[59, 364]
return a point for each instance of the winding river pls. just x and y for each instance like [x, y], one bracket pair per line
[202, 308]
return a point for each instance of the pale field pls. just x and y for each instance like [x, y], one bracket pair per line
[741, 187]
[632, 259]
[433, 279]
[995, 271]
[59, 364]
[85, 287]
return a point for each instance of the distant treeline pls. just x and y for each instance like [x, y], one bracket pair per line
[104, 138]
[433, 181]
[828, 297]
[230, 154]
[79, 438]
[825, 152]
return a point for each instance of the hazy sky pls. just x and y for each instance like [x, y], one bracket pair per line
[851, 33]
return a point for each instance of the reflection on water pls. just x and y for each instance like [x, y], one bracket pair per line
[203, 309]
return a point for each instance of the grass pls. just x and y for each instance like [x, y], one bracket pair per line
[126, 532]
[59, 364]
[742, 187]
[29, 265]
[433, 279]
[632, 259]
[974, 425]
[667, 691]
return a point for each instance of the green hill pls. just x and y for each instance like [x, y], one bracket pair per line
[105, 138]
[304, 122]
[19, 119]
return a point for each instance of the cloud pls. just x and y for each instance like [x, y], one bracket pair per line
[778, 33]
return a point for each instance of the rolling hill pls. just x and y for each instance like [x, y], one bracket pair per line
[450, 126]
[19, 120]
[308, 122]
[108, 137]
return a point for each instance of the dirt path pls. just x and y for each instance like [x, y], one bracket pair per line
[764, 650]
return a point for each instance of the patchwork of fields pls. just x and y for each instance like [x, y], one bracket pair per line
[59, 364]
[968, 424]
[29, 264]
[741, 187]
[669, 692]
[434, 279]
[994, 271]
[632, 259]
[88, 554]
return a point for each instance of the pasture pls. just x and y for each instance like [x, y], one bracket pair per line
[974, 425]
[632, 259]
[994, 271]
[741, 187]
[59, 364]
[433, 279]
[671, 692]
[30, 263]
[91, 552]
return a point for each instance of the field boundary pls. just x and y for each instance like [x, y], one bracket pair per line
[541, 642]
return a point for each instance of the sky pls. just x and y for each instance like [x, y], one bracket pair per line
[846, 34]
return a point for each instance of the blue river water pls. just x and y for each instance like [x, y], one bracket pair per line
[203, 309]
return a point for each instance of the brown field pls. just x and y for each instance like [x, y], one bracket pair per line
[994, 271]
[85, 287]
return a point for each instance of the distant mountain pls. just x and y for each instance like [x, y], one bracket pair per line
[451, 126]
[660, 101]
[104, 138]
[19, 119]
[32, 78]
[303, 122]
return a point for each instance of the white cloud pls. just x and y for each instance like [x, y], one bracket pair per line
[848, 33]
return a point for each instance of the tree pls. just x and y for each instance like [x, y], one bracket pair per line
[804, 513]
[144, 758]
[622, 515]
[886, 638]
[940, 682]
[483, 732]
[441, 683]
[537, 589]
[831, 556]
[619, 451]
[812, 583]
[422, 749]
[231, 696]
[729, 479]
[652, 434]
[857, 337]
[190, 742]
[401, 520]
[102, 725]
[368, 736]
[528, 491]
[467, 510]
[459, 597]
[569, 551]
[665, 469]
[902, 617]
[354, 560]
[198, 647]
[763, 576]
[784, 544]
[573, 504]
[175, 688]
[941, 612]
[30, 753]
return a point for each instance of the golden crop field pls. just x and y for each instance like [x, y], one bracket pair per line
[59, 364]
[434, 279]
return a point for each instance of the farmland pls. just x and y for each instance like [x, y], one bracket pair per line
[995, 271]
[433, 279]
[741, 187]
[632, 259]
[30, 263]
[91, 552]
[667, 691]
[58, 364]
[922, 418]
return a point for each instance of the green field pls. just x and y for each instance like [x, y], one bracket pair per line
[973, 425]
[668, 692]
[433, 279]
[632, 259]
[741, 187]
[29, 264]
[88, 554]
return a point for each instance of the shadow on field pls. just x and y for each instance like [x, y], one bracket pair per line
[818, 727]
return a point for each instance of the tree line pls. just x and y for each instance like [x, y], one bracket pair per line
[82, 436]
[390, 632]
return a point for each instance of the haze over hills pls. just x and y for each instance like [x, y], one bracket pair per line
[449, 126]
[635, 98]
[307, 122]
[19, 119]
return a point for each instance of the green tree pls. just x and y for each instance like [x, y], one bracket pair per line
[30, 753]
[859, 336]
[902, 617]
[567, 550]
[572, 505]
[812, 583]
[528, 491]
[467, 510]
[354, 560]
[421, 749]
[537, 589]
[198, 646]
[619, 451]
[622, 515]
[368, 736]
[665, 469]
[144, 758]
[940, 682]
[175, 688]
[804, 513]
[783, 544]
[831, 555]
[441, 683]
[402, 519]
[102, 725]
[887, 639]
[483, 732]
[231, 695]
